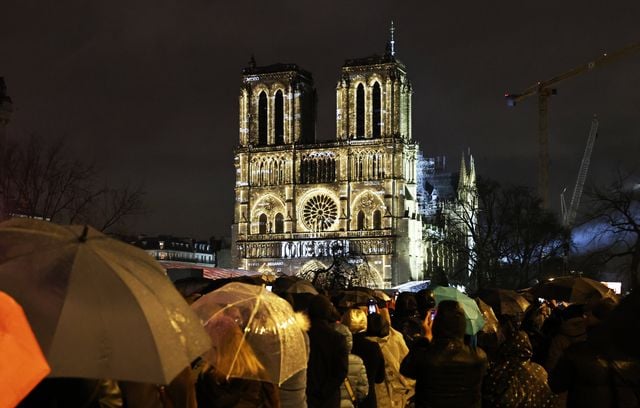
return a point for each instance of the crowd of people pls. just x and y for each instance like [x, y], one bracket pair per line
[407, 352]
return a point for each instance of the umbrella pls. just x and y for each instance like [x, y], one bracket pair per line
[378, 294]
[100, 308]
[23, 365]
[247, 323]
[572, 289]
[353, 297]
[472, 313]
[490, 320]
[293, 284]
[301, 286]
[504, 301]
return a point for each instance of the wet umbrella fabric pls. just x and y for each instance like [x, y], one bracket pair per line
[22, 364]
[572, 289]
[301, 286]
[504, 301]
[100, 308]
[490, 320]
[473, 315]
[267, 326]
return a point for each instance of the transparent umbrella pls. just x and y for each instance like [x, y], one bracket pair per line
[255, 333]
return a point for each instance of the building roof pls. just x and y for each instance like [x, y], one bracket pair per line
[372, 60]
[275, 68]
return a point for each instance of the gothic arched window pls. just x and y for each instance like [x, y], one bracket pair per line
[376, 109]
[278, 120]
[361, 221]
[262, 224]
[360, 111]
[279, 224]
[262, 119]
[377, 220]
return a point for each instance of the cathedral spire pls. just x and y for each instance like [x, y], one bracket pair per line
[462, 180]
[472, 170]
[391, 45]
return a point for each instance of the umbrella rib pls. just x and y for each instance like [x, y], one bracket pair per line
[244, 333]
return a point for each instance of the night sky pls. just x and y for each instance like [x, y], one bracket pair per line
[150, 89]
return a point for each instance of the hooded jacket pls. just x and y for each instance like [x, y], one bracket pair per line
[514, 381]
[396, 389]
[357, 372]
[448, 373]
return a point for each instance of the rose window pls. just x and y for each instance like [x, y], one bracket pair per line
[320, 212]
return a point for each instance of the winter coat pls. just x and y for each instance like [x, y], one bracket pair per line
[181, 392]
[358, 381]
[357, 374]
[513, 381]
[293, 392]
[374, 363]
[595, 380]
[571, 331]
[234, 393]
[448, 373]
[396, 389]
[328, 357]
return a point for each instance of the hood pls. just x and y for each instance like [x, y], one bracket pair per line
[517, 348]
[346, 333]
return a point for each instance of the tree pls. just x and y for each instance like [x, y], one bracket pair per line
[347, 270]
[614, 211]
[42, 180]
[503, 235]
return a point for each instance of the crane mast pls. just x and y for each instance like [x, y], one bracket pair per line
[545, 89]
[569, 214]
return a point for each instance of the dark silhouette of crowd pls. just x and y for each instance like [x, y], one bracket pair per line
[408, 352]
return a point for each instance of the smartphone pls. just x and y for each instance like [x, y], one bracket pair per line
[432, 314]
[372, 306]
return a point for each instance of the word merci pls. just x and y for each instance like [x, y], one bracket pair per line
[310, 249]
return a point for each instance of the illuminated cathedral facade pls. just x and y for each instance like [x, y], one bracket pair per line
[298, 200]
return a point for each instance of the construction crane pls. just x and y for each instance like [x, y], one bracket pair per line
[569, 214]
[544, 89]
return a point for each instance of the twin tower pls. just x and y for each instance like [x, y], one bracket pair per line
[277, 102]
[297, 199]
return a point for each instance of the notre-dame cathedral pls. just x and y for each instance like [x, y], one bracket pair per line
[298, 199]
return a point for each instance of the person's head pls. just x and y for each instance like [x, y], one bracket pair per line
[346, 333]
[406, 305]
[599, 310]
[355, 320]
[574, 311]
[377, 326]
[450, 321]
[425, 301]
[321, 308]
[230, 354]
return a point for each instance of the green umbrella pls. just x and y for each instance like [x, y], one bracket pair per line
[472, 313]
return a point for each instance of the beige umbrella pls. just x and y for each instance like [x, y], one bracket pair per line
[100, 308]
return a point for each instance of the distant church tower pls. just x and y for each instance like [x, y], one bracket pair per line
[298, 199]
[373, 98]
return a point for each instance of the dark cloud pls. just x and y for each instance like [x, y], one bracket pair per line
[149, 88]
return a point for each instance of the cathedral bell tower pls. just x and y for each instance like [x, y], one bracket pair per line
[373, 97]
[277, 106]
